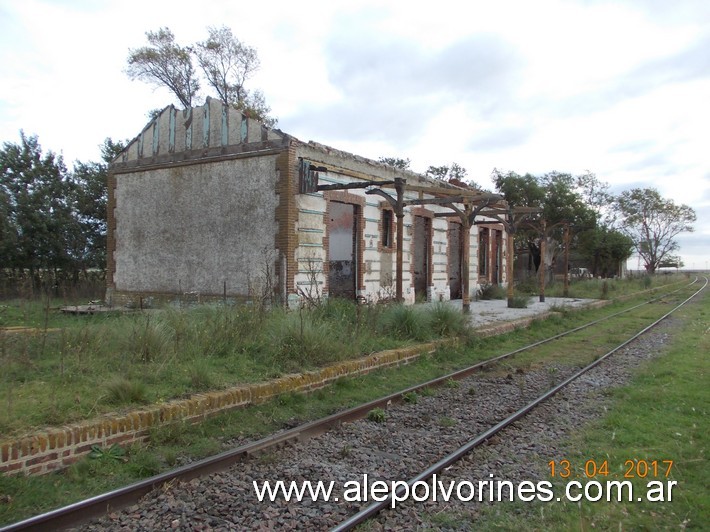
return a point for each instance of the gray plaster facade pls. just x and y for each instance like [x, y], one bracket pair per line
[185, 229]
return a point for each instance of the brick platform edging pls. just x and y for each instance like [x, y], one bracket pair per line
[59, 447]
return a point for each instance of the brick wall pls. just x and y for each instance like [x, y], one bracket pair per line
[287, 214]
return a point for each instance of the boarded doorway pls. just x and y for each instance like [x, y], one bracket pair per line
[455, 256]
[422, 256]
[342, 250]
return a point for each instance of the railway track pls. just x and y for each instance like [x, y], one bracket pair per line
[292, 443]
[453, 457]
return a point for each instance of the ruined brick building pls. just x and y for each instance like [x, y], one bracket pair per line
[209, 202]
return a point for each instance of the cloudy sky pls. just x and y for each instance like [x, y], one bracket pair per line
[619, 88]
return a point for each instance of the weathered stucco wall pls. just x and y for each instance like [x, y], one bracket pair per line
[194, 228]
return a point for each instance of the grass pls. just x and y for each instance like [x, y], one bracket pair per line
[490, 291]
[609, 288]
[519, 301]
[75, 367]
[661, 415]
[174, 444]
[377, 415]
[447, 422]
[50, 378]
[121, 391]
[410, 397]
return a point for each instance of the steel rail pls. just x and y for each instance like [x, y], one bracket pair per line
[81, 511]
[374, 508]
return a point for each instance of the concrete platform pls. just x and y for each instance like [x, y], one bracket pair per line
[489, 312]
[89, 309]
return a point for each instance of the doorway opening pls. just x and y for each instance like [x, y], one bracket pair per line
[342, 250]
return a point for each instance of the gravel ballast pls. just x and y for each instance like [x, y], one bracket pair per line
[413, 436]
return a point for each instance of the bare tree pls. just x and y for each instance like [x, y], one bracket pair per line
[653, 222]
[165, 63]
[227, 63]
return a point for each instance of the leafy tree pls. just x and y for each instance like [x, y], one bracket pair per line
[596, 195]
[652, 223]
[254, 106]
[52, 220]
[165, 63]
[561, 199]
[672, 261]
[36, 195]
[565, 202]
[90, 199]
[604, 249]
[454, 174]
[226, 63]
[397, 162]
[8, 233]
[519, 191]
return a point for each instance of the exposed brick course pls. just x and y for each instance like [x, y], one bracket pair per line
[62, 446]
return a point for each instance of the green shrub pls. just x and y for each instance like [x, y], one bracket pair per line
[222, 331]
[447, 422]
[406, 323]
[452, 383]
[377, 415]
[200, 377]
[300, 341]
[529, 285]
[115, 452]
[121, 391]
[86, 342]
[410, 397]
[491, 291]
[148, 340]
[519, 301]
[143, 464]
[336, 310]
[604, 292]
[445, 320]
[175, 433]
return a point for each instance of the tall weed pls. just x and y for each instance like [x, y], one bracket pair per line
[121, 391]
[300, 341]
[149, 339]
[405, 323]
[446, 320]
[491, 291]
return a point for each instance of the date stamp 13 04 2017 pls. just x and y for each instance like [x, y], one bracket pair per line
[631, 468]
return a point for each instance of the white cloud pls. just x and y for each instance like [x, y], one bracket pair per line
[619, 89]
